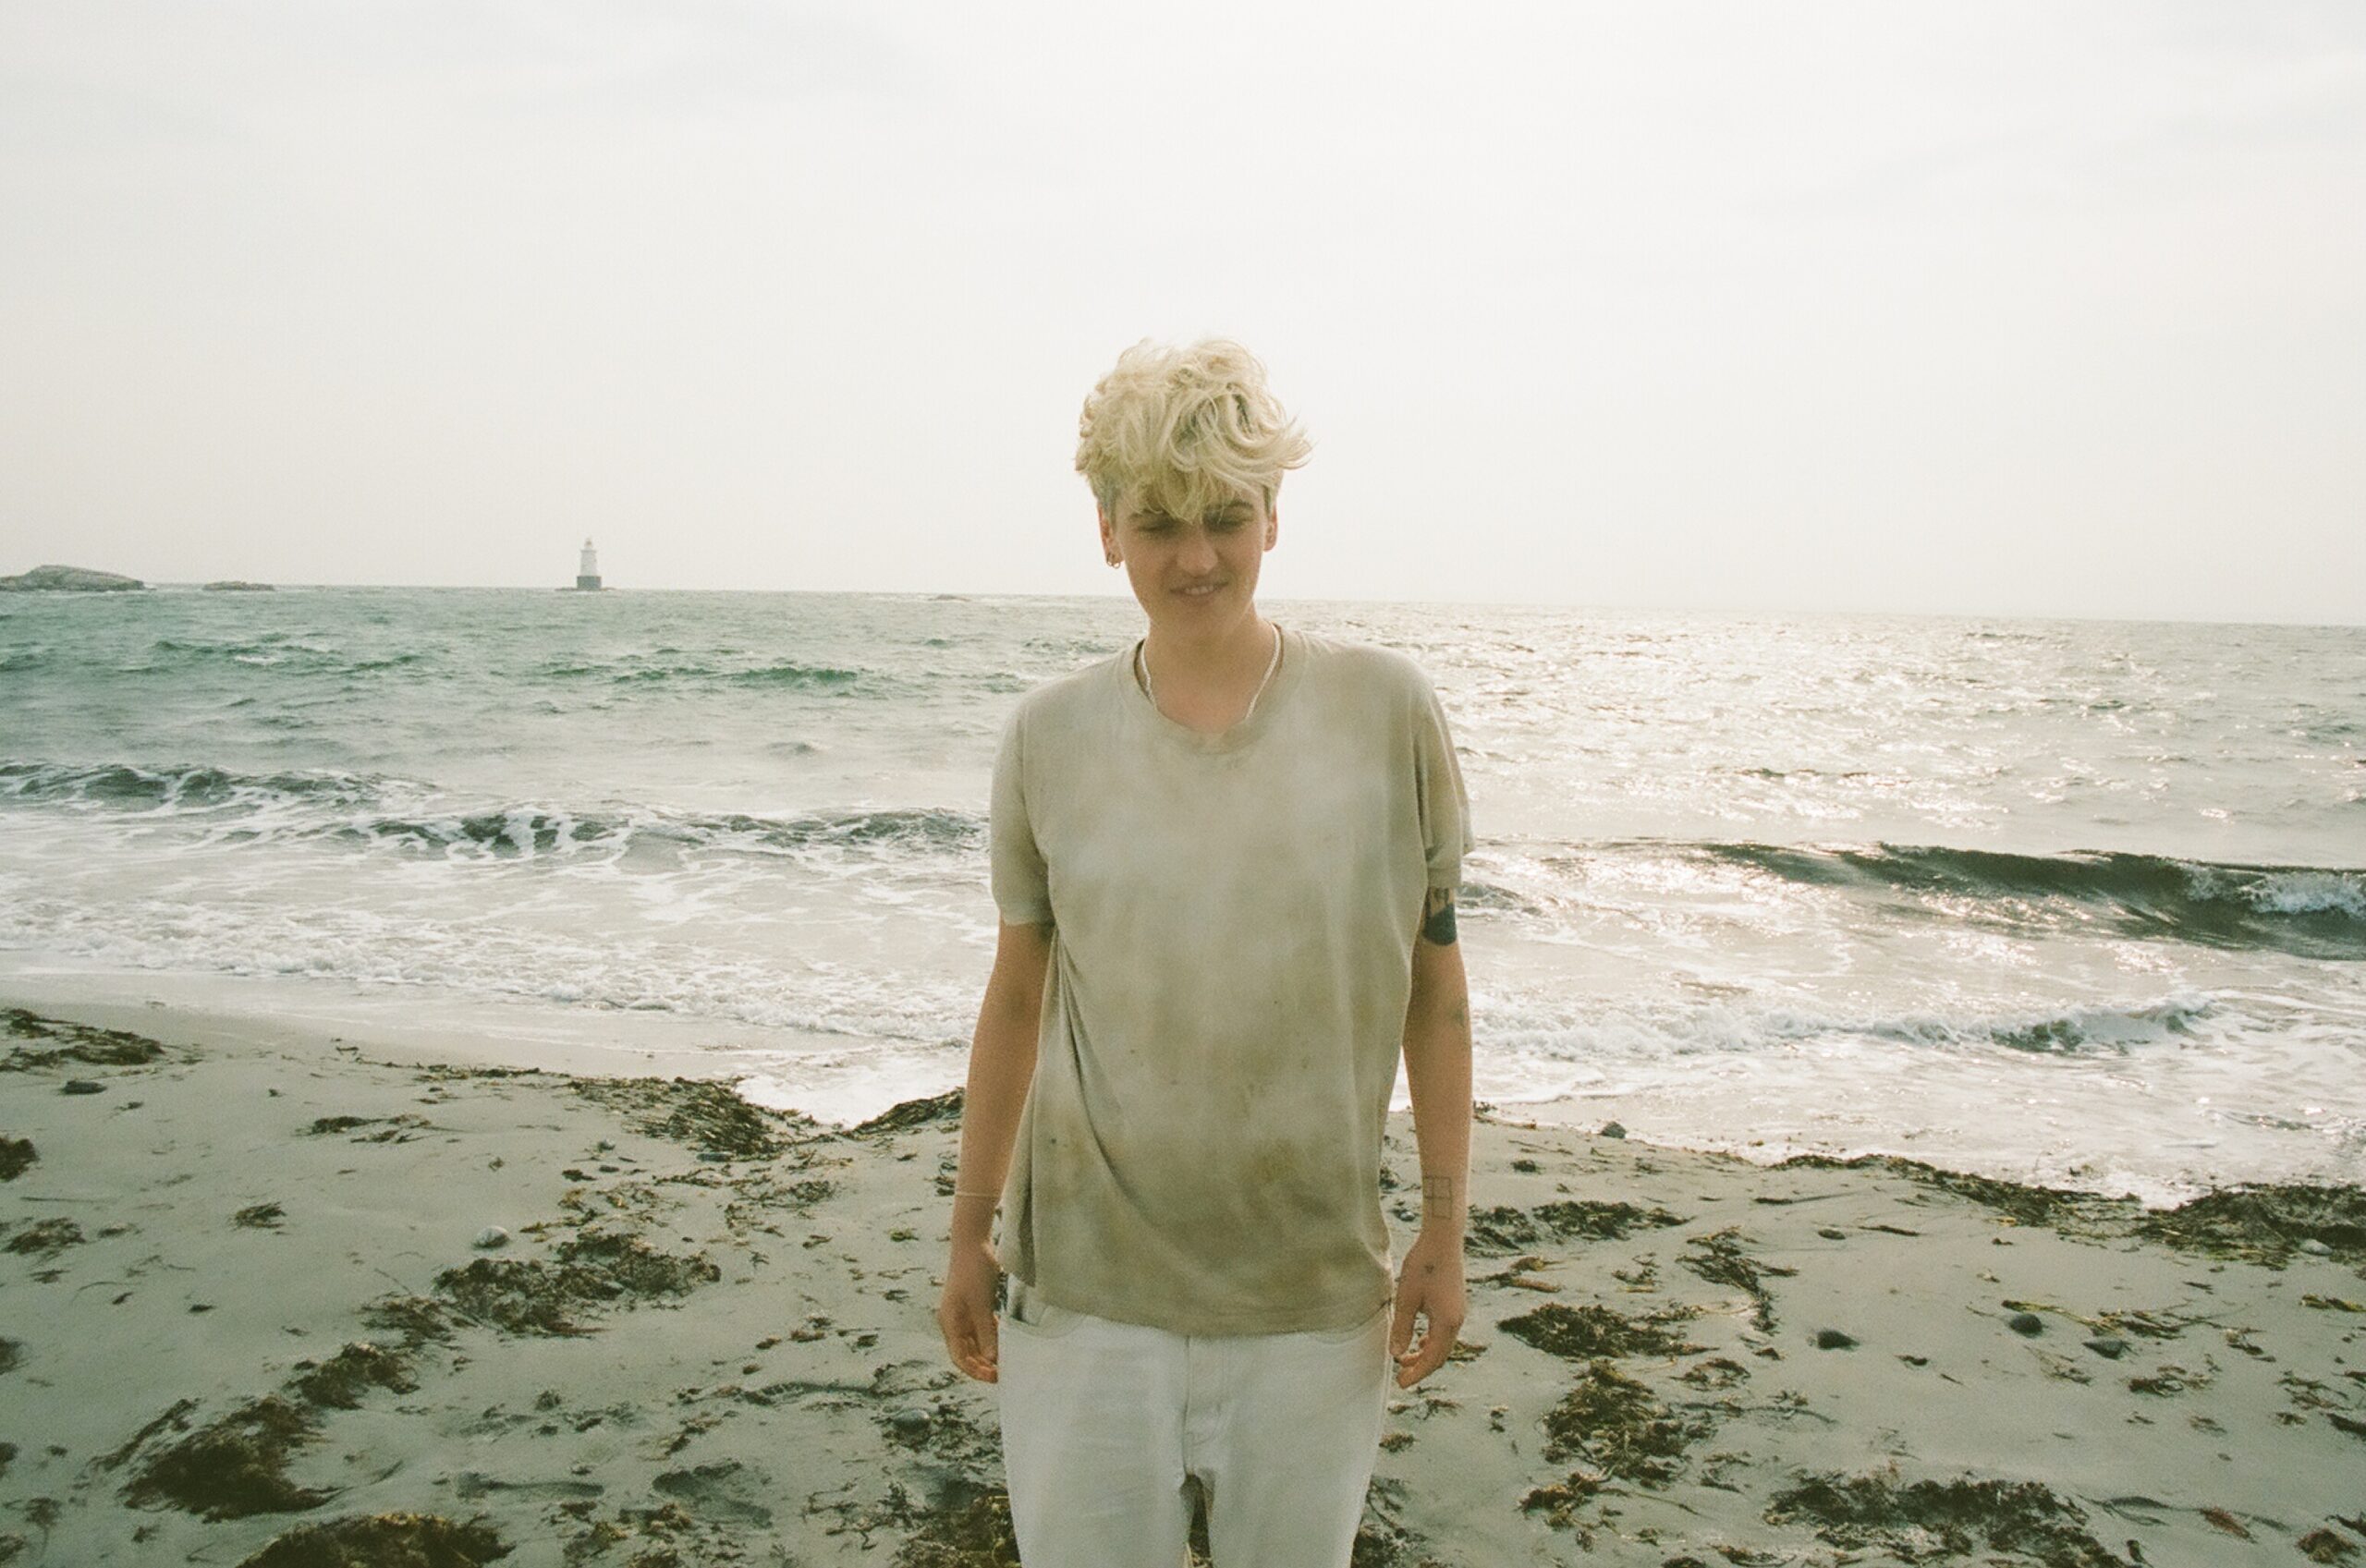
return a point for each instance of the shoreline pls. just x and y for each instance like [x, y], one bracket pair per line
[242, 1298]
[648, 1044]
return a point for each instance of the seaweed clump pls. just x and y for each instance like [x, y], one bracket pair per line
[531, 1298]
[2263, 1223]
[83, 1043]
[234, 1467]
[1601, 1221]
[700, 1113]
[907, 1113]
[341, 1381]
[1613, 1420]
[1499, 1232]
[383, 1540]
[1926, 1518]
[1502, 1230]
[1581, 1333]
[17, 1156]
[1718, 1258]
[968, 1526]
[46, 1239]
[2026, 1205]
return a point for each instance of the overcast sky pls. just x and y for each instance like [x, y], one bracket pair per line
[2002, 308]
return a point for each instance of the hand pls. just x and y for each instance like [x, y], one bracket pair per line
[1429, 1284]
[965, 1312]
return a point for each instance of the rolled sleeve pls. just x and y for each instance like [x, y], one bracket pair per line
[1022, 884]
[1444, 805]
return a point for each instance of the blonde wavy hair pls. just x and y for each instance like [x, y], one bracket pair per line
[1190, 426]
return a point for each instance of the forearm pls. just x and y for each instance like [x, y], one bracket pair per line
[1002, 1065]
[1437, 1074]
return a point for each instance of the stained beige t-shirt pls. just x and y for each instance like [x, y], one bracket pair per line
[1234, 923]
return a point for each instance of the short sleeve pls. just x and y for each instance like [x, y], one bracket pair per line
[1445, 806]
[1021, 886]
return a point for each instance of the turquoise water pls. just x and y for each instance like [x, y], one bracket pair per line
[2079, 900]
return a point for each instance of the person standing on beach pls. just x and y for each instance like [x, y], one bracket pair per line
[1225, 863]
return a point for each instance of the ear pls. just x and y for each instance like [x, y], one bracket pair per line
[1273, 527]
[1108, 537]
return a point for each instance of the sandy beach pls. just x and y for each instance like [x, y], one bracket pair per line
[275, 1298]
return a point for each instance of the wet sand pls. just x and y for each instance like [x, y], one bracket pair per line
[251, 1311]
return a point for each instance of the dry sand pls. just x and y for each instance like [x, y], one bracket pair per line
[244, 1318]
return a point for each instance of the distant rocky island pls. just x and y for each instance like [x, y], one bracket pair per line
[232, 585]
[69, 579]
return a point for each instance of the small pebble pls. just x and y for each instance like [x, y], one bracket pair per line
[491, 1238]
[910, 1421]
[2315, 1249]
[1828, 1234]
[81, 1086]
[1833, 1339]
[2109, 1348]
[2026, 1323]
[1613, 1130]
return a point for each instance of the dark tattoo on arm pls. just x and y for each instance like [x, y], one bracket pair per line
[1437, 916]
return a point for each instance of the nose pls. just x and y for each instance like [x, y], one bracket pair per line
[1198, 554]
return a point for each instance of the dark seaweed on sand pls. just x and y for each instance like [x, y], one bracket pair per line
[1613, 1420]
[698, 1111]
[1859, 1512]
[2260, 1223]
[83, 1043]
[17, 1156]
[906, 1114]
[383, 1540]
[46, 1239]
[1718, 1258]
[233, 1466]
[967, 1525]
[1501, 1230]
[341, 1381]
[1583, 1332]
[1601, 1221]
[2265, 1224]
[532, 1298]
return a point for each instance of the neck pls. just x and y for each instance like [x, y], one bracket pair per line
[1241, 650]
[1210, 697]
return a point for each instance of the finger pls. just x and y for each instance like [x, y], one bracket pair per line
[1428, 1359]
[1400, 1328]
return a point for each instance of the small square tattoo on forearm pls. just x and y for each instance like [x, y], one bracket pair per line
[1437, 1197]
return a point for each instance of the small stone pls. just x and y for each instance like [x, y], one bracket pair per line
[490, 1237]
[2108, 1346]
[910, 1421]
[1828, 1234]
[1833, 1339]
[2315, 1249]
[81, 1086]
[1613, 1130]
[2026, 1323]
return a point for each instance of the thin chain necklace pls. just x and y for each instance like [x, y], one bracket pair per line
[1141, 667]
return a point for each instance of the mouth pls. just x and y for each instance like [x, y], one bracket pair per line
[1201, 591]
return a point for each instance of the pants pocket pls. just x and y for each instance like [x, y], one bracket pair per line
[1030, 1313]
[1375, 1324]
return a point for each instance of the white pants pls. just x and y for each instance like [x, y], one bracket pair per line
[1103, 1422]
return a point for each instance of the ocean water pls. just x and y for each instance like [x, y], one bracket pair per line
[2082, 902]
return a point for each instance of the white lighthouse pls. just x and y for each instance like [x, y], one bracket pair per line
[587, 571]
